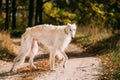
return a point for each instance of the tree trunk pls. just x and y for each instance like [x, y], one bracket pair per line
[0, 7]
[37, 13]
[39, 10]
[13, 14]
[7, 15]
[31, 13]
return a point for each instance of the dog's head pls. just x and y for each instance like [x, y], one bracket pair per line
[71, 28]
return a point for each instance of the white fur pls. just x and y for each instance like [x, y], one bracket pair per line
[55, 38]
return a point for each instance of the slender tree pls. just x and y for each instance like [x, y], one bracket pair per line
[37, 13]
[7, 15]
[0, 6]
[14, 14]
[39, 10]
[31, 13]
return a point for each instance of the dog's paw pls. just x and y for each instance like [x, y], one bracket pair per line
[13, 70]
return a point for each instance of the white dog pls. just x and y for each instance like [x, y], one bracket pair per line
[55, 38]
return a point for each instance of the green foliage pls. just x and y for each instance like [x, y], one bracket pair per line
[1, 22]
[102, 13]
[61, 16]
[21, 22]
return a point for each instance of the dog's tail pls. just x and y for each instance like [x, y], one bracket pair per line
[26, 44]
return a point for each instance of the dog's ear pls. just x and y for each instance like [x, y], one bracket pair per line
[67, 30]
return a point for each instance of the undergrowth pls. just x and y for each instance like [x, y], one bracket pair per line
[111, 64]
[104, 45]
[7, 48]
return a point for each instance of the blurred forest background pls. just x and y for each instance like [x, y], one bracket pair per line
[19, 14]
[98, 21]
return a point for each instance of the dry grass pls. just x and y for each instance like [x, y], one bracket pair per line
[91, 35]
[7, 46]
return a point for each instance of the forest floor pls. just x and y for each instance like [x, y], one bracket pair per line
[80, 66]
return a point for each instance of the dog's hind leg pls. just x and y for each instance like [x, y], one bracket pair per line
[34, 51]
[31, 60]
[26, 44]
[19, 60]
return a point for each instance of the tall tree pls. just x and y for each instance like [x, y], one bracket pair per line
[39, 10]
[0, 6]
[7, 15]
[37, 13]
[31, 13]
[14, 14]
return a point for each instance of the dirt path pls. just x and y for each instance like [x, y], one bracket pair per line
[78, 68]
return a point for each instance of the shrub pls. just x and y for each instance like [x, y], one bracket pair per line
[7, 45]
[16, 33]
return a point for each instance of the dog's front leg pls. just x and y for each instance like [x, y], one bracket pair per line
[52, 60]
[64, 59]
